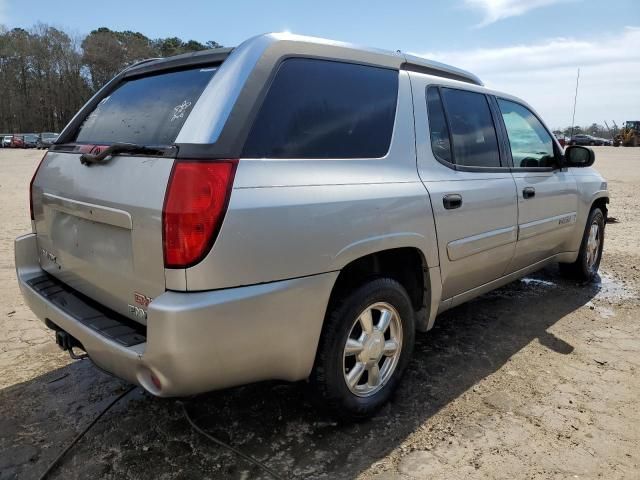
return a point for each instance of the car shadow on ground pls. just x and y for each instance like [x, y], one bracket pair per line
[146, 437]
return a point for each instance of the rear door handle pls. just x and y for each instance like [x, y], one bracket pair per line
[529, 192]
[451, 201]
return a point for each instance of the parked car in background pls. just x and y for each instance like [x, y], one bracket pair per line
[17, 141]
[583, 139]
[6, 141]
[606, 142]
[30, 140]
[46, 139]
[295, 208]
[561, 140]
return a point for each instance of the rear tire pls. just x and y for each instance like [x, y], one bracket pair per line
[585, 268]
[365, 346]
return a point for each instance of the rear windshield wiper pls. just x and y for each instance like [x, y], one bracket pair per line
[89, 158]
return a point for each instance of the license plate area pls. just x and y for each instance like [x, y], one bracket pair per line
[76, 242]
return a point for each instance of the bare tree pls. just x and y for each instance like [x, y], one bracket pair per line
[46, 75]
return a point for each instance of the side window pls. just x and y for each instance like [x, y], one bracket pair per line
[325, 109]
[438, 129]
[475, 143]
[531, 144]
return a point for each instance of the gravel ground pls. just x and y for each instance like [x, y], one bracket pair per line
[538, 379]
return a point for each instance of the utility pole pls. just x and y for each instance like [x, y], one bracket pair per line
[575, 100]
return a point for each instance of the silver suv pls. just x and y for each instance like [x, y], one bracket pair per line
[293, 208]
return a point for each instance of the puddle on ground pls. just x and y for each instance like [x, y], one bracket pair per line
[523, 287]
[607, 287]
[537, 282]
[611, 288]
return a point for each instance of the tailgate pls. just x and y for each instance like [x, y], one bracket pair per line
[99, 228]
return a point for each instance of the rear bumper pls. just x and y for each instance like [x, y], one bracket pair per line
[196, 342]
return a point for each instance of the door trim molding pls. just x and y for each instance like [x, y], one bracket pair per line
[545, 225]
[492, 285]
[465, 247]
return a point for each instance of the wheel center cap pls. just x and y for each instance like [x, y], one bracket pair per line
[374, 345]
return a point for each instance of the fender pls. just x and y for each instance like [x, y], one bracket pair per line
[425, 318]
[600, 194]
[378, 243]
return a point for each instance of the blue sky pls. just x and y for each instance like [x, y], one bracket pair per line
[531, 48]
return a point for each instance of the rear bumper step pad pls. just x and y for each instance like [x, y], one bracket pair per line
[106, 322]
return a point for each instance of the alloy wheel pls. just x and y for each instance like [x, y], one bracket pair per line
[593, 246]
[372, 349]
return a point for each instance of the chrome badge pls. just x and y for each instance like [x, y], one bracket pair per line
[48, 255]
[137, 312]
[141, 299]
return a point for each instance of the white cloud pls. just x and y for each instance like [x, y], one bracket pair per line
[544, 75]
[495, 10]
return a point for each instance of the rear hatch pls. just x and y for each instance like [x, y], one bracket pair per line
[99, 226]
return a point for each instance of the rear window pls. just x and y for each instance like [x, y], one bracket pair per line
[325, 109]
[148, 111]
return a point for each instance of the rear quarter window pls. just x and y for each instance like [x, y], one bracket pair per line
[475, 143]
[325, 109]
[148, 111]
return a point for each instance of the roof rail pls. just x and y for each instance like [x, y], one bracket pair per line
[431, 67]
[385, 58]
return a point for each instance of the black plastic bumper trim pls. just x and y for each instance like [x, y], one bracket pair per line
[106, 322]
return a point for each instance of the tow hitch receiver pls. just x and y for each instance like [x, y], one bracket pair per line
[66, 342]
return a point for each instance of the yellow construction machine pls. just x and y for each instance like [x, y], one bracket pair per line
[629, 135]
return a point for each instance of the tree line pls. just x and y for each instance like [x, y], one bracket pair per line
[595, 129]
[47, 74]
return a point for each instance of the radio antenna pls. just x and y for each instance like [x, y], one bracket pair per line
[575, 100]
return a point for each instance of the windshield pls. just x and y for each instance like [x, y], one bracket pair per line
[146, 111]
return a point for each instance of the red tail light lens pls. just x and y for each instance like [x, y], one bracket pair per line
[194, 207]
[31, 188]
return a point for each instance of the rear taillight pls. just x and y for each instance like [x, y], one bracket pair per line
[194, 207]
[31, 187]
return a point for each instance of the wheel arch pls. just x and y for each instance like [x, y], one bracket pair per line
[601, 202]
[407, 265]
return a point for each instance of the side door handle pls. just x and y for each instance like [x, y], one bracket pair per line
[529, 192]
[451, 201]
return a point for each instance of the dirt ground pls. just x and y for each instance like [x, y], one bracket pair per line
[539, 379]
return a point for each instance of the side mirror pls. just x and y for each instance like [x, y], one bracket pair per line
[578, 156]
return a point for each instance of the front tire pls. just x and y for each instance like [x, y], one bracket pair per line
[585, 268]
[365, 346]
